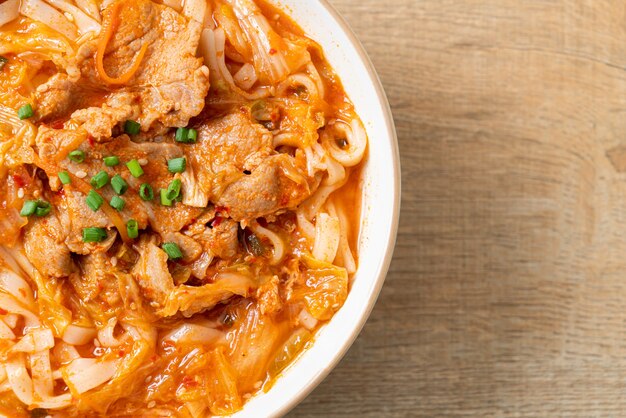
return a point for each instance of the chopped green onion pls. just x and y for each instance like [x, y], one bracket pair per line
[164, 200]
[43, 208]
[94, 200]
[135, 168]
[186, 135]
[25, 112]
[117, 203]
[35, 207]
[94, 234]
[132, 228]
[131, 127]
[146, 192]
[77, 156]
[100, 180]
[177, 165]
[172, 250]
[3, 62]
[181, 134]
[29, 208]
[119, 185]
[111, 161]
[64, 177]
[173, 190]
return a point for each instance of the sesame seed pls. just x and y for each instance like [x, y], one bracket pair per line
[151, 404]
[114, 261]
[20, 193]
[81, 174]
[142, 161]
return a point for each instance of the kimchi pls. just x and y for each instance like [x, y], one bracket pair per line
[180, 204]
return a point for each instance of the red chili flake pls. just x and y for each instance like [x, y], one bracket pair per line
[218, 220]
[284, 200]
[3, 312]
[91, 140]
[222, 209]
[57, 124]
[189, 381]
[273, 51]
[19, 181]
[121, 353]
[61, 192]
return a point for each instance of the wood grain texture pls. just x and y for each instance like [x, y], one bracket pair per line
[507, 293]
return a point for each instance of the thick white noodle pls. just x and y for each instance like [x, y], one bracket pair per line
[77, 335]
[42, 12]
[245, 77]
[9, 11]
[302, 80]
[277, 242]
[41, 373]
[327, 233]
[355, 136]
[306, 227]
[212, 43]
[91, 8]
[82, 20]
[18, 377]
[195, 9]
[344, 256]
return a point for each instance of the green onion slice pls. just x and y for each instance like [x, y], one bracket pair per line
[64, 176]
[173, 190]
[132, 228]
[177, 165]
[43, 208]
[181, 134]
[119, 185]
[29, 208]
[25, 112]
[172, 250]
[111, 161]
[94, 234]
[117, 203]
[164, 200]
[100, 180]
[35, 207]
[94, 200]
[146, 192]
[77, 156]
[131, 127]
[135, 168]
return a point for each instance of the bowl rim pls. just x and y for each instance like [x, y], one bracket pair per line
[381, 274]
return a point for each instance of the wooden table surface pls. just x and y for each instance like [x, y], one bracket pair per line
[507, 293]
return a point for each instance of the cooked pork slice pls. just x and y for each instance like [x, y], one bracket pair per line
[279, 182]
[220, 239]
[151, 272]
[226, 147]
[45, 247]
[100, 121]
[168, 87]
[77, 215]
[98, 279]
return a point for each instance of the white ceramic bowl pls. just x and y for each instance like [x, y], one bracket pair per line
[380, 210]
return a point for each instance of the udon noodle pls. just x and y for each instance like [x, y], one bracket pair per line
[180, 204]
